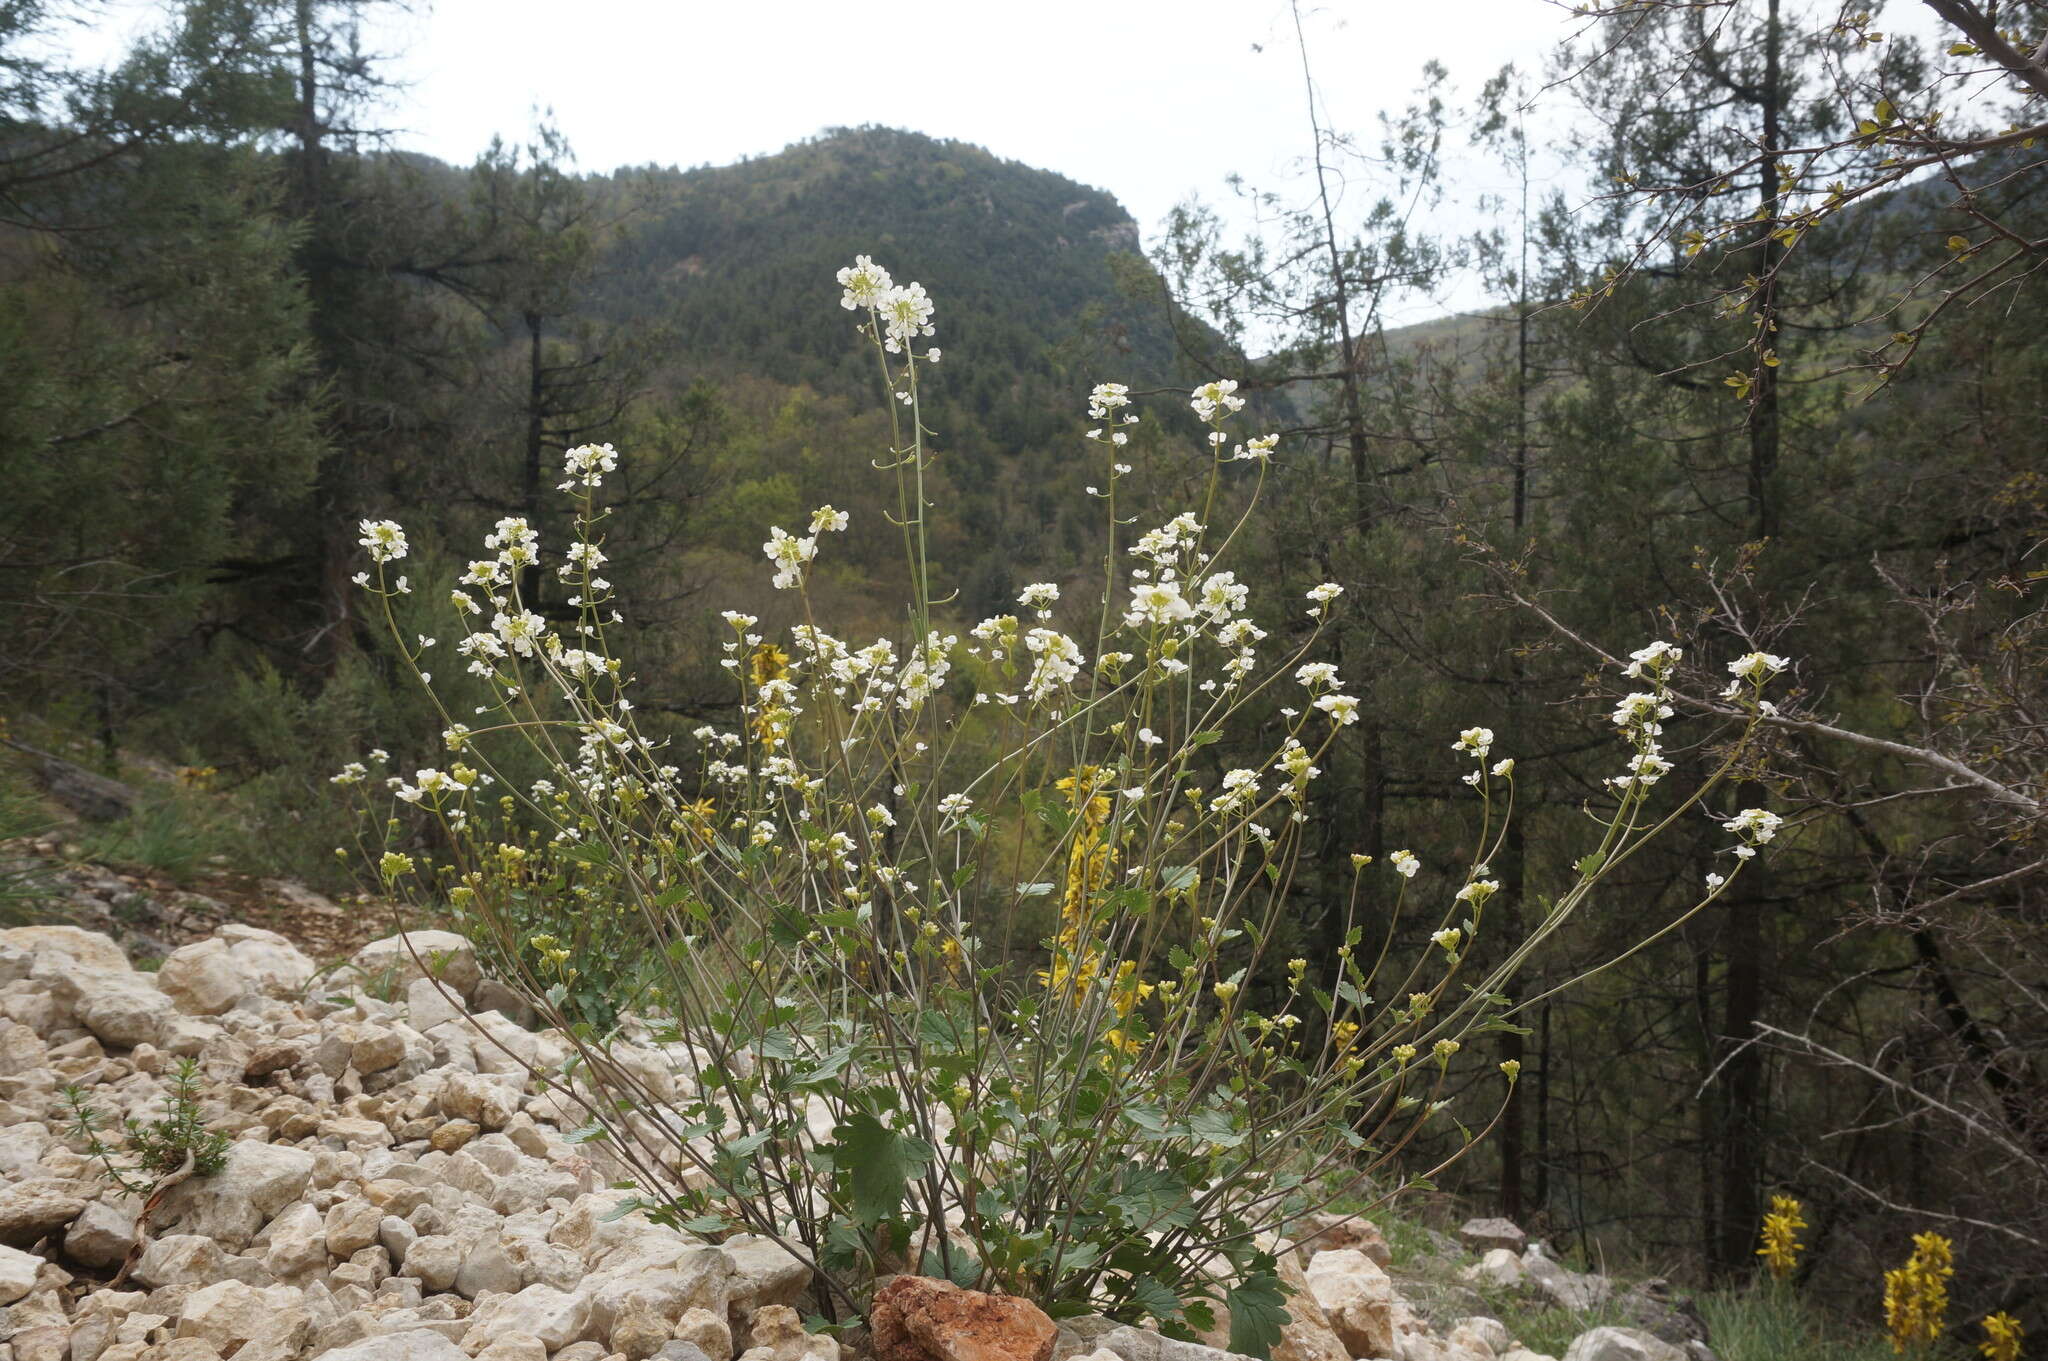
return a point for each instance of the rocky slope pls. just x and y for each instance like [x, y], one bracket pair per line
[399, 1188]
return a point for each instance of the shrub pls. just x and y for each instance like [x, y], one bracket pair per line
[815, 909]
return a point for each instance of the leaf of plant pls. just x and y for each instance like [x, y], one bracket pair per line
[880, 1164]
[1258, 1312]
[1154, 1298]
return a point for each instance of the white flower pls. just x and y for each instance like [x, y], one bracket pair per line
[1479, 890]
[1478, 741]
[1314, 674]
[1106, 398]
[789, 554]
[1260, 449]
[865, 282]
[1657, 658]
[1058, 662]
[879, 816]
[1223, 595]
[1039, 595]
[740, 622]
[906, 313]
[1448, 938]
[352, 773]
[1504, 767]
[1210, 399]
[520, 631]
[1157, 602]
[1325, 593]
[384, 539]
[1754, 825]
[1405, 864]
[953, 805]
[1714, 881]
[1343, 709]
[826, 520]
[588, 463]
[1757, 666]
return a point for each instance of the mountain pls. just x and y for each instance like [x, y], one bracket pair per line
[738, 261]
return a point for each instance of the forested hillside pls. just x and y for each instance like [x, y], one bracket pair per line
[1711, 405]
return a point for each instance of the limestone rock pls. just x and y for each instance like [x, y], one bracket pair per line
[1358, 1299]
[556, 1317]
[639, 1335]
[202, 978]
[918, 1318]
[93, 951]
[1481, 1335]
[514, 1347]
[1482, 1235]
[433, 1260]
[102, 1235]
[32, 1210]
[1498, 1267]
[268, 962]
[230, 1315]
[763, 1273]
[180, 1259]
[256, 1182]
[413, 1344]
[1329, 1231]
[1621, 1344]
[297, 1243]
[778, 1335]
[450, 957]
[1563, 1287]
[17, 1274]
[124, 1011]
[707, 1331]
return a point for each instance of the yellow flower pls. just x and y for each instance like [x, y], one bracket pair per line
[1916, 1294]
[2002, 1334]
[768, 663]
[1344, 1034]
[1782, 1247]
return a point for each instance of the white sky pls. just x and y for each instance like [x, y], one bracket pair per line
[1149, 99]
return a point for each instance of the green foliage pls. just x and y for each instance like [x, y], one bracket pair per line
[177, 1145]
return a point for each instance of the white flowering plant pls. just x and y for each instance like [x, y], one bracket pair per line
[834, 1040]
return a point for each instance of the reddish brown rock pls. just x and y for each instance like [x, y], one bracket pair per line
[917, 1318]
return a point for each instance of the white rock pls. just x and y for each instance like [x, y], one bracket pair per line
[1498, 1267]
[1358, 1299]
[271, 964]
[202, 978]
[230, 1313]
[1621, 1344]
[102, 1235]
[257, 1181]
[709, 1332]
[180, 1259]
[352, 1226]
[490, 1102]
[514, 1347]
[1480, 1235]
[556, 1317]
[415, 1344]
[90, 949]
[763, 1274]
[17, 1273]
[487, 1269]
[433, 1260]
[1567, 1289]
[398, 958]
[297, 1243]
[428, 1004]
[1488, 1331]
[124, 1011]
[22, 1147]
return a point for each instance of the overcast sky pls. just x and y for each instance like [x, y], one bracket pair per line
[1151, 100]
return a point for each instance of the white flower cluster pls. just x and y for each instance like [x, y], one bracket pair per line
[1213, 401]
[384, 539]
[587, 464]
[1755, 826]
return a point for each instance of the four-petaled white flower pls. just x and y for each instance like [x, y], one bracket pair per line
[1655, 659]
[789, 554]
[384, 539]
[1040, 596]
[1478, 741]
[1343, 709]
[1405, 864]
[865, 283]
[1106, 398]
[587, 464]
[1316, 674]
[826, 520]
[1212, 401]
[1754, 825]
[906, 314]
